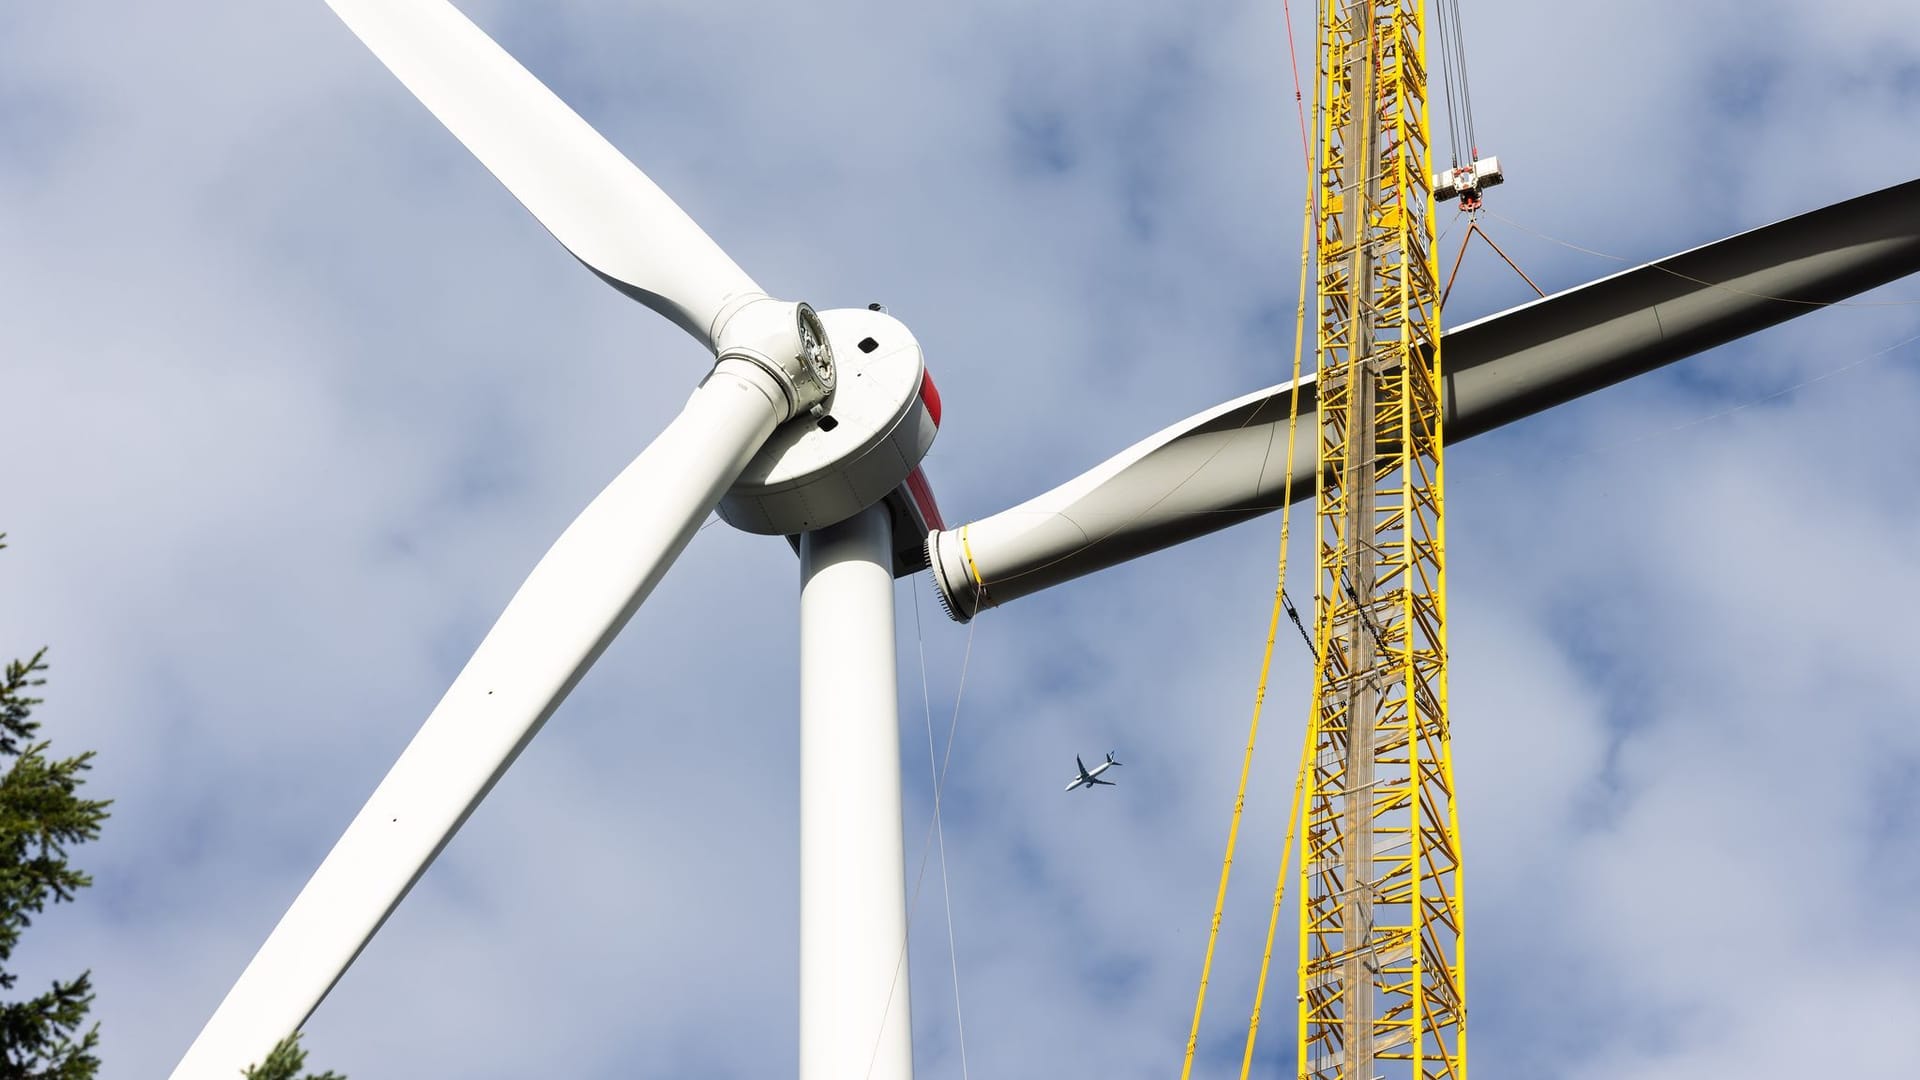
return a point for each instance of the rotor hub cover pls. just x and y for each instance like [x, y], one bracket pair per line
[819, 470]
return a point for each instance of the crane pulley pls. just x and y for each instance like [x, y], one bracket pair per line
[1466, 182]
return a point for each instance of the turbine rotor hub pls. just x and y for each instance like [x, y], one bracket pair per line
[857, 448]
[787, 341]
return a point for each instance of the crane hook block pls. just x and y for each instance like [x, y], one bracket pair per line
[1467, 181]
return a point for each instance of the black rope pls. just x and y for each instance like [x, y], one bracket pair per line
[1294, 614]
[1366, 616]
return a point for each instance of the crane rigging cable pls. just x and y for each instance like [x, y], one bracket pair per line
[1474, 227]
[1453, 78]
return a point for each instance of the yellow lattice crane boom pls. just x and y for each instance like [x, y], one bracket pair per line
[1382, 971]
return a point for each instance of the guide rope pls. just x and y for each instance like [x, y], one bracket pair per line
[935, 773]
[1280, 604]
[1571, 246]
[1279, 893]
[927, 841]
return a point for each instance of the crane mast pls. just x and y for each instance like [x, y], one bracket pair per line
[1382, 968]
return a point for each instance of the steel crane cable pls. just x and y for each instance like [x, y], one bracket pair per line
[1447, 30]
[1453, 77]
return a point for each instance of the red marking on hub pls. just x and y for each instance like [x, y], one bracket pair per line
[930, 396]
[917, 486]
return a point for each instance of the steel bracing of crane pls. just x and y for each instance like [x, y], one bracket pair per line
[1382, 973]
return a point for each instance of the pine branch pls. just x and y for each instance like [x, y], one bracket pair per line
[286, 1060]
[41, 815]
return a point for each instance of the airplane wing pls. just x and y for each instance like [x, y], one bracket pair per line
[1081, 764]
[1097, 780]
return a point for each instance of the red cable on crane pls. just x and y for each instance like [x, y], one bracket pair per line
[1299, 103]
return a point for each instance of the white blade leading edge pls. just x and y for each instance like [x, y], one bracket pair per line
[577, 598]
[588, 195]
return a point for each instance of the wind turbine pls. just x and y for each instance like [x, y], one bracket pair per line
[812, 425]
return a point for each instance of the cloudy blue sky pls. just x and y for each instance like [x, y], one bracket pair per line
[292, 395]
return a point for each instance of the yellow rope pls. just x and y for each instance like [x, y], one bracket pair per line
[1279, 891]
[1260, 694]
[967, 550]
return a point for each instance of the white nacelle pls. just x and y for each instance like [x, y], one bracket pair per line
[813, 473]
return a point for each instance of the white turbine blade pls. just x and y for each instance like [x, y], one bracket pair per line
[589, 196]
[1228, 464]
[1206, 472]
[577, 598]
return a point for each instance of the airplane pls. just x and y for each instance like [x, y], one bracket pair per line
[1088, 779]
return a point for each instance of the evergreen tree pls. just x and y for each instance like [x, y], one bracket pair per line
[41, 813]
[286, 1060]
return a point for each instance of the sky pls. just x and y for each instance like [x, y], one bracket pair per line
[292, 395]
